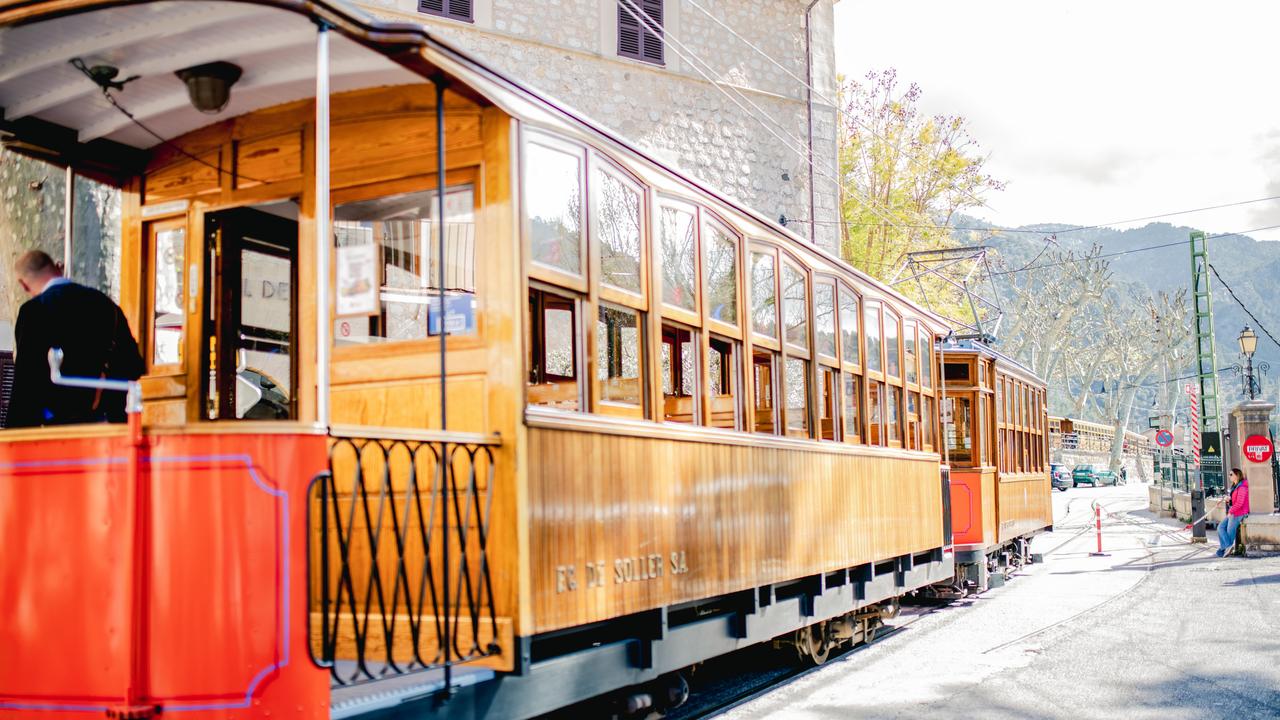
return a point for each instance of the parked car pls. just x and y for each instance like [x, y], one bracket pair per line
[1105, 477]
[1060, 476]
[1083, 474]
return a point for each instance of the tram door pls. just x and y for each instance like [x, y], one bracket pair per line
[250, 329]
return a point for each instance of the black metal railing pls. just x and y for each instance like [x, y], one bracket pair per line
[400, 579]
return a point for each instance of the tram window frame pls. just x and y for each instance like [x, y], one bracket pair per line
[689, 316]
[611, 406]
[911, 420]
[536, 356]
[758, 336]
[910, 353]
[796, 306]
[928, 425]
[536, 268]
[927, 341]
[893, 415]
[876, 430]
[730, 376]
[828, 328]
[854, 360]
[893, 360]
[602, 167]
[152, 232]
[797, 424]
[873, 357]
[849, 348]
[712, 229]
[851, 404]
[768, 360]
[964, 458]
[828, 414]
[677, 371]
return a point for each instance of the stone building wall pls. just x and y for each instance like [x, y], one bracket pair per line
[751, 147]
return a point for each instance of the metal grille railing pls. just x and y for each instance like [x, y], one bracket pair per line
[400, 579]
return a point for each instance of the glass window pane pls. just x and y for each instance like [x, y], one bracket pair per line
[891, 353]
[618, 226]
[875, 413]
[909, 350]
[851, 401]
[763, 364]
[849, 349]
[95, 236]
[32, 215]
[797, 387]
[169, 318]
[764, 306]
[552, 359]
[724, 384]
[795, 306]
[679, 256]
[893, 411]
[618, 355]
[553, 203]
[722, 275]
[679, 374]
[959, 431]
[824, 318]
[926, 358]
[926, 419]
[558, 334]
[871, 326]
[388, 269]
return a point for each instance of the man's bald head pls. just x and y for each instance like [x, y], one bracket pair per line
[34, 270]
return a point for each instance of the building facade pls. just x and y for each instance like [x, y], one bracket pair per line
[700, 97]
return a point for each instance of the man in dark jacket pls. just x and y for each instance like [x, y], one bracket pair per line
[95, 341]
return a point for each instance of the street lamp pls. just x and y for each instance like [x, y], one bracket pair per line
[1248, 341]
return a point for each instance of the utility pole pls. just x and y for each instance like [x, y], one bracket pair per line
[1210, 475]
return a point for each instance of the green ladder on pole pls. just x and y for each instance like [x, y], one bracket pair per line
[1206, 365]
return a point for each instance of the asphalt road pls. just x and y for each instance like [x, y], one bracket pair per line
[1158, 628]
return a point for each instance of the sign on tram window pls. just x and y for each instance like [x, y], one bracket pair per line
[357, 273]
[168, 317]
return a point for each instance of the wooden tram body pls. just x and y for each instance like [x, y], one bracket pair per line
[999, 459]
[655, 427]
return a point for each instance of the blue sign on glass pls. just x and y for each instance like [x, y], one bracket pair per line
[461, 317]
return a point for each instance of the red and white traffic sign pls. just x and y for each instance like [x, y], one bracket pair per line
[1164, 438]
[1258, 448]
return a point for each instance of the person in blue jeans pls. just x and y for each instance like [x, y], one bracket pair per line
[1237, 510]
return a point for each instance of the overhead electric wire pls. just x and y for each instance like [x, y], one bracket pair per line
[1243, 307]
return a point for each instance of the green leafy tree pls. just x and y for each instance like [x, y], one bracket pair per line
[905, 174]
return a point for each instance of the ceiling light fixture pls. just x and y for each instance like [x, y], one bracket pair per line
[209, 85]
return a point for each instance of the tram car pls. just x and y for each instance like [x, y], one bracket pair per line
[457, 405]
[998, 451]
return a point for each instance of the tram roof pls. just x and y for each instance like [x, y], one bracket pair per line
[49, 109]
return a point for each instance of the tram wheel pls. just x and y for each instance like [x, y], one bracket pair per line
[813, 644]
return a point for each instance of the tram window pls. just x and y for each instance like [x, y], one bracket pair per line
[893, 412]
[618, 355]
[764, 384]
[795, 306]
[852, 400]
[927, 419]
[960, 432]
[553, 351]
[909, 355]
[679, 375]
[764, 306]
[824, 318]
[875, 413]
[388, 267]
[849, 326]
[926, 358]
[871, 327]
[679, 258]
[553, 204]
[1000, 411]
[957, 372]
[722, 274]
[723, 371]
[892, 359]
[827, 411]
[913, 421]
[796, 381]
[168, 305]
[617, 210]
[95, 236]
[988, 438]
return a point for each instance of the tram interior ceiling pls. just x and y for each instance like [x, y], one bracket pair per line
[458, 400]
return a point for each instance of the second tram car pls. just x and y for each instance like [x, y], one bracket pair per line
[997, 443]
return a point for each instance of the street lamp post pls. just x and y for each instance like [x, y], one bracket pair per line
[1248, 341]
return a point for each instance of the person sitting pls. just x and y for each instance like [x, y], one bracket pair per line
[95, 340]
[1237, 510]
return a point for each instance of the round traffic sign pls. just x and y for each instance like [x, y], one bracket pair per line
[1258, 448]
[1164, 438]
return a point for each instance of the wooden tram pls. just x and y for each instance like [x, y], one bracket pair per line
[457, 405]
[999, 457]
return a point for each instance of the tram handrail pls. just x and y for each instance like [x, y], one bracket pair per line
[131, 388]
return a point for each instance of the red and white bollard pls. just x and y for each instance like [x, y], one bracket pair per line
[1097, 514]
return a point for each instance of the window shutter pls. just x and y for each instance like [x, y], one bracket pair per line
[628, 31]
[460, 9]
[434, 7]
[653, 44]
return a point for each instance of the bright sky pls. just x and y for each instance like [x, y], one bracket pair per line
[1095, 110]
